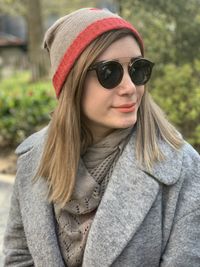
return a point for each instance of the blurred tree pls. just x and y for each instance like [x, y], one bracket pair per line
[172, 27]
[178, 93]
[184, 15]
[35, 35]
[36, 13]
[31, 11]
[63, 7]
[13, 7]
[112, 5]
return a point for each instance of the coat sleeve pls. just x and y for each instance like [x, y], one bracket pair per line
[183, 247]
[15, 246]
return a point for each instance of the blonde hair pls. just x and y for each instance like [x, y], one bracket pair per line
[68, 136]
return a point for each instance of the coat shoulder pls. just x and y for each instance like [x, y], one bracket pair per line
[191, 158]
[32, 141]
[190, 152]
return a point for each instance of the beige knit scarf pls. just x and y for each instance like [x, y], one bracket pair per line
[75, 219]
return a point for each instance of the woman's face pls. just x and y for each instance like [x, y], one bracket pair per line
[108, 109]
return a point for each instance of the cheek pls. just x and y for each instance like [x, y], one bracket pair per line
[87, 94]
[94, 95]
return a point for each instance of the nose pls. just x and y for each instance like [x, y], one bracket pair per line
[126, 87]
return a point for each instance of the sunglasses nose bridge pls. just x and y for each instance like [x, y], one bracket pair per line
[126, 85]
[127, 74]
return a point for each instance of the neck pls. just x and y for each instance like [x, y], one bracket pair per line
[98, 135]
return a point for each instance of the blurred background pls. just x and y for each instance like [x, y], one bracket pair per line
[171, 33]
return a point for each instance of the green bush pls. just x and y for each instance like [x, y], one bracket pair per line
[177, 91]
[24, 107]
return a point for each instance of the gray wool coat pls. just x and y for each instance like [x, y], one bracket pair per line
[145, 219]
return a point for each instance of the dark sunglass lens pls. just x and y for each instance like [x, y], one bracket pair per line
[140, 71]
[110, 74]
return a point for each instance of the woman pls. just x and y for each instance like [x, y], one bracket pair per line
[109, 182]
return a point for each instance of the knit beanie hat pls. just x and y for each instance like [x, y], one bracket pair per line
[67, 38]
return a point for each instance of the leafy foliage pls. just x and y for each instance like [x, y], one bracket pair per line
[178, 93]
[23, 107]
[171, 27]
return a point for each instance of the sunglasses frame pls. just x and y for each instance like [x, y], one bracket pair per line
[133, 61]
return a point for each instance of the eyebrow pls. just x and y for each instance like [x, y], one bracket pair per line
[120, 58]
[117, 59]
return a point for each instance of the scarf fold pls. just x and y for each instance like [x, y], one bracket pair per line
[94, 171]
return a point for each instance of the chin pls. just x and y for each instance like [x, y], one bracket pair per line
[127, 124]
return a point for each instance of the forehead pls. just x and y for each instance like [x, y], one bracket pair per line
[126, 47]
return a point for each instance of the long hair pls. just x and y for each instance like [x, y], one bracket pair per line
[68, 135]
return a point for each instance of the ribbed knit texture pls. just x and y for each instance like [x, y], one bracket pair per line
[66, 39]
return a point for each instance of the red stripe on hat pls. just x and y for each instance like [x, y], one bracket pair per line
[83, 40]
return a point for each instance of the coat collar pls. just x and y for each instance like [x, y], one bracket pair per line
[130, 188]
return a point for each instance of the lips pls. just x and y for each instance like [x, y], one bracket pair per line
[126, 105]
[126, 108]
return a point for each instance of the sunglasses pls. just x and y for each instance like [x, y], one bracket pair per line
[110, 73]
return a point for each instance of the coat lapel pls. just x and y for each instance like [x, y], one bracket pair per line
[115, 223]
